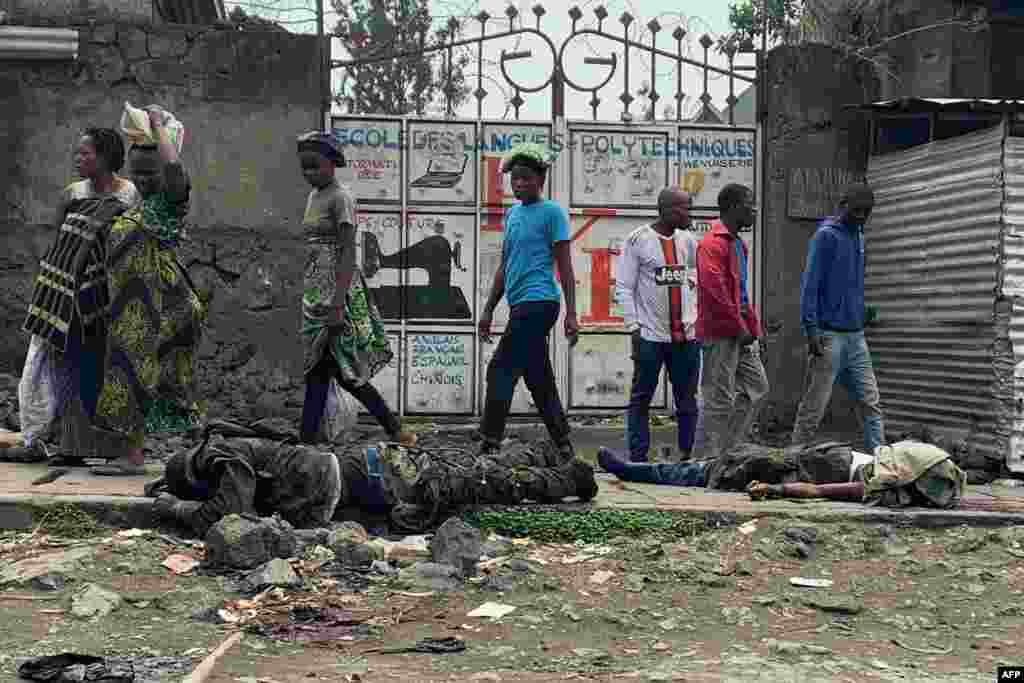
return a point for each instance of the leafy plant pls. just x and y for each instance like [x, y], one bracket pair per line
[373, 30]
[592, 526]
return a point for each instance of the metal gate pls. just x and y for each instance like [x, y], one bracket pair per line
[432, 198]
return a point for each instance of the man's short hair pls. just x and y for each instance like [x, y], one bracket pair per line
[731, 195]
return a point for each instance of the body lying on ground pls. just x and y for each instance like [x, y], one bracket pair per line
[240, 469]
[907, 473]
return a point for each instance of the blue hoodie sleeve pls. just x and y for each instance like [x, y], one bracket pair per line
[820, 254]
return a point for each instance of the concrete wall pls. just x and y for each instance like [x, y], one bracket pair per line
[813, 147]
[243, 98]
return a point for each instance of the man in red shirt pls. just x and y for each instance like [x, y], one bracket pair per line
[733, 381]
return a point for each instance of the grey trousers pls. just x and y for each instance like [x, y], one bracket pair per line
[733, 384]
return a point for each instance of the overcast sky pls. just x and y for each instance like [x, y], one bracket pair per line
[708, 16]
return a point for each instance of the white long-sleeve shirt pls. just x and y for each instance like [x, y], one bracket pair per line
[656, 284]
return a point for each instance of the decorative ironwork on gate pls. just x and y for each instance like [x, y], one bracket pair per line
[558, 78]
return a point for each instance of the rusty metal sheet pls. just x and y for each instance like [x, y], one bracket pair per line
[932, 270]
[1013, 289]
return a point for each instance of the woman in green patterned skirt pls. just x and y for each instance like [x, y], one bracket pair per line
[342, 334]
[156, 316]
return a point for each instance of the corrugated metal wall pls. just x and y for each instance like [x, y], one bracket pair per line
[1013, 288]
[933, 250]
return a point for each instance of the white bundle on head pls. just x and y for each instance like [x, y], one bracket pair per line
[136, 128]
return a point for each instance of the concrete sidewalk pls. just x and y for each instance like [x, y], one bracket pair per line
[118, 501]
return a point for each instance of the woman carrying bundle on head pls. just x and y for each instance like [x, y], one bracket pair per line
[342, 334]
[156, 318]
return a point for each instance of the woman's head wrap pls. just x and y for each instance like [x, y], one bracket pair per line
[324, 144]
[529, 154]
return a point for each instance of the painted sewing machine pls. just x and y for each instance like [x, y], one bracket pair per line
[436, 300]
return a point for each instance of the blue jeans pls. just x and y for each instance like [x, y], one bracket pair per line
[683, 363]
[669, 474]
[845, 360]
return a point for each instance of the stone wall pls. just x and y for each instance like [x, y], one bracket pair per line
[243, 98]
[814, 147]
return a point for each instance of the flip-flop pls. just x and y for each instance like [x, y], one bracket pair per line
[118, 469]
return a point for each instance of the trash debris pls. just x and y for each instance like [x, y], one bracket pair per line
[49, 582]
[494, 610]
[94, 601]
[276, 573]
[60, 562]
[71, 666]
[181, 564]
[205, 668]
[748, 528]
[316, 624]
[53, 475]
[134, 533]
[834, 604]
[810, 583]
[924, 651]
[601, 577]
[661, 646]
[434, 646]
[785, 647]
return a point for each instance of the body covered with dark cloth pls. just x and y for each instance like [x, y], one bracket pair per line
[239, 469]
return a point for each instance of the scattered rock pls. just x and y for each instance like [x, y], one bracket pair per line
[633, 583]
[94, 601]
[276, 573]
[49, 582]
[743, 568]
[520, 566]
[433, 576]
[498, 583]
[601, 577]
[243, 543]
[800, 541]
[968, 544]
[457, 544]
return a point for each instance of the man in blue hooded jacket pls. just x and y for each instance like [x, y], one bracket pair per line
[832, 316]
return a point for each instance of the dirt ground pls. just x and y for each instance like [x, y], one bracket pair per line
[905, 604]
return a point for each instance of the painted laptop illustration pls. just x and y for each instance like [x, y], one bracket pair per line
[443, 180]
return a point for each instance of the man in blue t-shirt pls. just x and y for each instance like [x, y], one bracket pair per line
[536, 238]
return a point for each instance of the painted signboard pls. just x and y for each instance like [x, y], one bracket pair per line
[492, 237]
[439, 266]
[598, 237]
[815, 192]
[711, 158]
[496, 141]
[389, 381]
[601, 372]
[441, 163]
[378, 237]
[439, 372]
[373, 159]
[614, 169]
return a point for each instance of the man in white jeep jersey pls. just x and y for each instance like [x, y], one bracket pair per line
[656, 284]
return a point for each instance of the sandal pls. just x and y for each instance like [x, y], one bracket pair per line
[118, 468]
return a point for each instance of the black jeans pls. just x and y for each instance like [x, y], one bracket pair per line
[523, 353]
[318, 383]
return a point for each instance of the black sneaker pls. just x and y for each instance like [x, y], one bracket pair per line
[24, 454]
